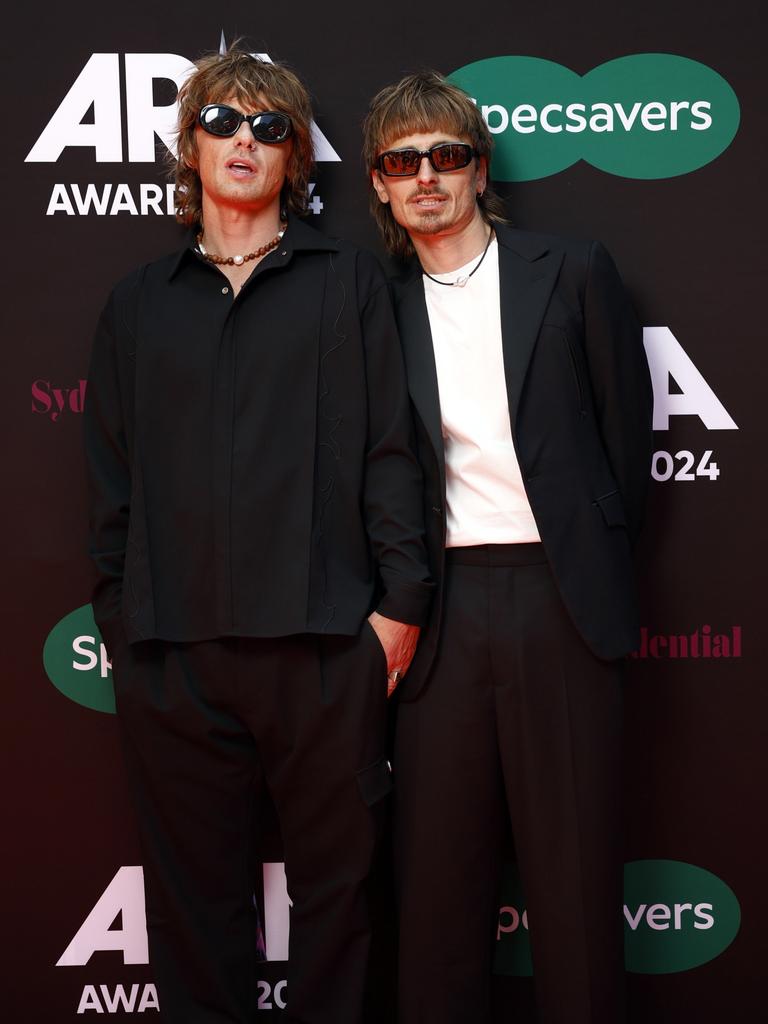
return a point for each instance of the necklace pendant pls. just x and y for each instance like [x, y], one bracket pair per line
[239, 260]
[460, 282]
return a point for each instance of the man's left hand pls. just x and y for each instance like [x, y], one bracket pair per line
[399, 642]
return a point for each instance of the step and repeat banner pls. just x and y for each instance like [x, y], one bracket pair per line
[643, 127]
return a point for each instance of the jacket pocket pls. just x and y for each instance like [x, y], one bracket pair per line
[612, 508]
[576, 372]
[376, 643]
[375, 782]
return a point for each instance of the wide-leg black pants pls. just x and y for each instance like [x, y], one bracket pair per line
[518, 718]
[205, 726]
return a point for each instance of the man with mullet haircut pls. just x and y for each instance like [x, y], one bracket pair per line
[261, 574]
[532, 405]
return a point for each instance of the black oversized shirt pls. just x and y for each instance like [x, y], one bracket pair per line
[249, 457]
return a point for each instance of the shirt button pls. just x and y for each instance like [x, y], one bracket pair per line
[225, 290]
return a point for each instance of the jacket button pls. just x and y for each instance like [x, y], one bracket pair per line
[437, 511]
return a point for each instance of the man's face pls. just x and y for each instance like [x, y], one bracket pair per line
[239, 171]
[432, 203]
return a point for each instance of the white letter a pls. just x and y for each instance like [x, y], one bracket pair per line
[667, 357]
[97, 85]
[125, 895]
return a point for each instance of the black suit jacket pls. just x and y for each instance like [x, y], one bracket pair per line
[580, 406]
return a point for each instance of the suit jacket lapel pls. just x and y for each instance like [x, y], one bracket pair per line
[416, 336]
[527, 276]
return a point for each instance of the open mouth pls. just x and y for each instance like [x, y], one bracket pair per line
[428, 200]
[241, 168]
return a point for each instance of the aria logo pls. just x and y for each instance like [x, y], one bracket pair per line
[95, 114]
[680, 389]
[693, 396]
[677, 916]
[648, 115]
[118, 923]
[97, 89]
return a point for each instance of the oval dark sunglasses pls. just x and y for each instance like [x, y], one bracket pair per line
[269, 126]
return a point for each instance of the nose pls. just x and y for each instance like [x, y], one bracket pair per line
[426, 172]
[244, 136]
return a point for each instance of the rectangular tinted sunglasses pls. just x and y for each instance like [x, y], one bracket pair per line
[267, 126]
[446, 156]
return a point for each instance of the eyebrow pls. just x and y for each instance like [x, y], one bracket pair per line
[441, 142]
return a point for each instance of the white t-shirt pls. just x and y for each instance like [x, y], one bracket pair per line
[486, 499]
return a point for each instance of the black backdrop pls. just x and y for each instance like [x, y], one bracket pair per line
[691, 252]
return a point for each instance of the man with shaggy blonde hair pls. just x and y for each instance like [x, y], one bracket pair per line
[532, 403]
[241, 76]
[256, 527]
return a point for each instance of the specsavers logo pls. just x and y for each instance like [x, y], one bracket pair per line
[677, 916]
[649, 115]
[77, 663]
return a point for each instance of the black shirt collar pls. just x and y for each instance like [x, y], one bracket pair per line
[298, 237]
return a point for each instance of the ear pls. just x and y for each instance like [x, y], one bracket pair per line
[292, 160]
[379, 186]
[482, 175]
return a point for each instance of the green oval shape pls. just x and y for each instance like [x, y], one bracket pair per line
[512, 955]
[647, 115]
[676, 916]
[512, 92]
[76, 661]
[670, 115]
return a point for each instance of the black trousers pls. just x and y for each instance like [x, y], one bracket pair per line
[518, 718]
[204, 727]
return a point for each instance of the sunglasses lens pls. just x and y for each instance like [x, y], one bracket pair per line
[448, 157]
[220, 120]
[271, 126]
[400, 162]
[451, 157]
